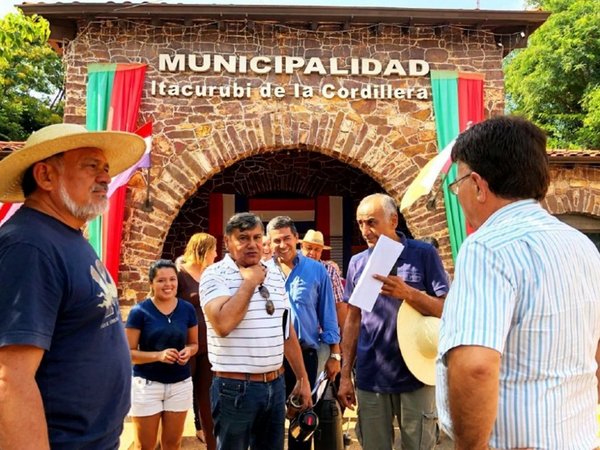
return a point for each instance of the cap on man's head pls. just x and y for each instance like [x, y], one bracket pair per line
[315, 237]
[121, 149]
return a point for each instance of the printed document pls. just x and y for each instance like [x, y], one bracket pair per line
[382, 259]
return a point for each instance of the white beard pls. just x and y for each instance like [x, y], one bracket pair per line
[85, 212]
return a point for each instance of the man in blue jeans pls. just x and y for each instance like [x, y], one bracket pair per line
[248, 330]
[385, 388]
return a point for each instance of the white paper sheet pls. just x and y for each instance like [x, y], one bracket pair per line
[384, 256]
[319, 388]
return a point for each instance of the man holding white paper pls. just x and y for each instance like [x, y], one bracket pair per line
[385, 386]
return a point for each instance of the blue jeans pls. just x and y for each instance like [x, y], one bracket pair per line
[311, 362]
[248, 414]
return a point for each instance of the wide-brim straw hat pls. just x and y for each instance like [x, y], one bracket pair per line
[315, 237]
[418, 339]
[121, 149]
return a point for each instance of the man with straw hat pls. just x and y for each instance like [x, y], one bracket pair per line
[312, 246]
[64, 361]
[385, 386]
[521, 325]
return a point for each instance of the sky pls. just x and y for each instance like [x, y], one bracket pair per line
[6, 5]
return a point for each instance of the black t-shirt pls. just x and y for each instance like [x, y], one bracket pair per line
[56, 295]
[187, 289]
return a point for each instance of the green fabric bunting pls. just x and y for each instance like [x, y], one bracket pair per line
[444, 86]
[99, 90]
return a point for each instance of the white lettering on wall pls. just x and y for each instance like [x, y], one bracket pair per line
[259, 65]
[270, 90]
[418, 67]
[289, 64]
[370, 92]
[171, 63]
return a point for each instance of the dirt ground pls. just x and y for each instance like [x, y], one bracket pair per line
[190, 442]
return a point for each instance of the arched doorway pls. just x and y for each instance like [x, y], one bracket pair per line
[316, 190]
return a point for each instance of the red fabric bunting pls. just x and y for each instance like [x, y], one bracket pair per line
[470, 105]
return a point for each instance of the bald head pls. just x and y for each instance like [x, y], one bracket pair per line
[376, 215]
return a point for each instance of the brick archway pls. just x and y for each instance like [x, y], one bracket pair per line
[187, 155]
[289, 174]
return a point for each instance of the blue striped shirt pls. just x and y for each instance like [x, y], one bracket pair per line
[528, 286]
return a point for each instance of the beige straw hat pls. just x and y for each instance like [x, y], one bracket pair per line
[418, 340]
[122, 150]
[315, 237]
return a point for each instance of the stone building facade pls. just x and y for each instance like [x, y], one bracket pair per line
[274, 137]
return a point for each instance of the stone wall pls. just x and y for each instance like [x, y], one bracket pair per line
[575, 189]
[196, 139]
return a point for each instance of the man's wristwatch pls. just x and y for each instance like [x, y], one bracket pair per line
[336, 356]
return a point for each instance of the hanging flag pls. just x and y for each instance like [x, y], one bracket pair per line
[114, 93]
[220, 208]
[423, 183]
[7, 210]
[329, 213]
[457, 101]
[145, 131]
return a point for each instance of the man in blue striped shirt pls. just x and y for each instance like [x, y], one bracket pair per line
[521, 325]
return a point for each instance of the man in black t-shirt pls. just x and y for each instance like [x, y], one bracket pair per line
[64, 358]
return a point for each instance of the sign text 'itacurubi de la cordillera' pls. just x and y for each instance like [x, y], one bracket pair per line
[393, 69]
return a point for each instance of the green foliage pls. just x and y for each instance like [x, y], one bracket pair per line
[31, 76]
[550, 5]
[555, 81]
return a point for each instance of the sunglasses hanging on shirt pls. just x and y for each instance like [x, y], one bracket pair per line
[264, 293]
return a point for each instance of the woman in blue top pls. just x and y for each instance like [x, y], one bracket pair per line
[163, 335]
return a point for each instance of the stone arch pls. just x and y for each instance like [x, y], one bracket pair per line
[292, 173]
[390, 149]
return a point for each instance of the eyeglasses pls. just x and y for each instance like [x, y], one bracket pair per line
[453, 187]
[264, 293]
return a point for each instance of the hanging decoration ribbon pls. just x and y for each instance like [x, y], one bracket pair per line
[457, 101]
[7, 210]
[114, 93]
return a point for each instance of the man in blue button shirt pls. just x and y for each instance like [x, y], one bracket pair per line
[313, 307]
